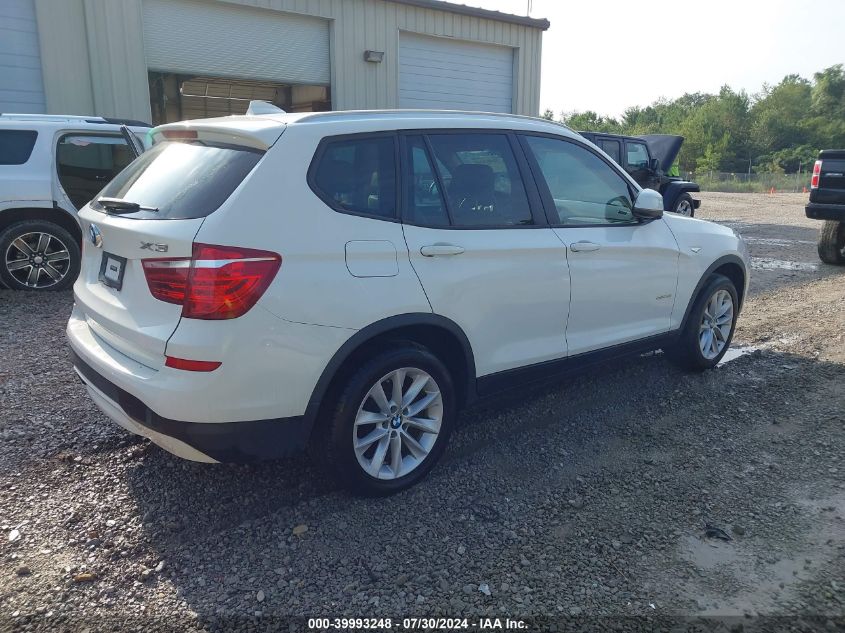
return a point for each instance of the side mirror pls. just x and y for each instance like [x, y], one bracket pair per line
[653, 164]
[648, 205]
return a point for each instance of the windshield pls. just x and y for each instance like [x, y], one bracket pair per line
[182, 180]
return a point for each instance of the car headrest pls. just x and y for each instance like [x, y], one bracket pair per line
[478, 180]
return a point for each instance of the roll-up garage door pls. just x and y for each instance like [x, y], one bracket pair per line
[447, 74]
[194, 37]
[21, 85]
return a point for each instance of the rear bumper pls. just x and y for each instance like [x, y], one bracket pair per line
[818, 211]
[198, 441]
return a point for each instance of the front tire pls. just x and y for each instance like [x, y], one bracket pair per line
[391, 422]
[832, 242]
[684, 205]
[710, 327]
[38, 255]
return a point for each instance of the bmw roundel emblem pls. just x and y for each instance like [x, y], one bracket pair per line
[95, 235]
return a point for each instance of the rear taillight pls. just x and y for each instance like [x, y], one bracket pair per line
[179, 135]
[217, 282]
[817, 170]
[167, 278]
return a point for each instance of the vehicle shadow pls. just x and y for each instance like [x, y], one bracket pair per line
[226, 532]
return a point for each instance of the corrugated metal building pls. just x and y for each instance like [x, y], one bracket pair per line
[165, 60]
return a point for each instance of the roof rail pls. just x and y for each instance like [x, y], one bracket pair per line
[399, 113]
[50, 117]
[114, 121]
[60, 118]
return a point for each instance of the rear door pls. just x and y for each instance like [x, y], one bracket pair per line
[485, 258]
[636, 162]
[611, 147]
[136, 147]
[86, 162]
[623, 272]
[177, 185]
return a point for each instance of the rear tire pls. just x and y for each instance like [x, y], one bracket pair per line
[832, 242]
[38, 255]
[684, 205]
[376, 446]
[710, 327]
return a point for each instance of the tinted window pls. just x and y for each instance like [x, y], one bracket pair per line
[183, 180]
[612, 149]
[425, 202]
[358, 175]
[583, 188]
[637, 155]
[86, 163]
[482, 180]
[16, 146]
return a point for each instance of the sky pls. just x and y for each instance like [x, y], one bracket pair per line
[608, 55]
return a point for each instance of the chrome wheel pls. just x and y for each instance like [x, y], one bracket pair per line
[716, 323]
[37, 260]
[397, 423]
[684, 208]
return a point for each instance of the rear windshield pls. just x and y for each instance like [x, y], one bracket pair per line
[16, 146]
[182, 180]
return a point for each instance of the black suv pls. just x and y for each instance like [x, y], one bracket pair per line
[648, 159]
[827, 202]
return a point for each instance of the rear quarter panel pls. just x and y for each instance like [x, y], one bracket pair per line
[274, 209]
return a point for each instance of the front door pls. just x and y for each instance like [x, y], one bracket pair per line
[484, 258]
[637, 160]
[623, 272]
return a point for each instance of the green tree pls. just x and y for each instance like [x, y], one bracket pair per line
[592, 122]
[779, 115]
[779, 129]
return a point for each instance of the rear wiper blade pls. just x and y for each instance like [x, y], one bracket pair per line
[119, 205]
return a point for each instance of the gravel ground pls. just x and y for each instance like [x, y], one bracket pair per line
[585, 499]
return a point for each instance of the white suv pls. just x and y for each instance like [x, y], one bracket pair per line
[253, 285]
[50, 166]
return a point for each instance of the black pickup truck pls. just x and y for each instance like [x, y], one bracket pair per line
[648, 159]
[827, 202]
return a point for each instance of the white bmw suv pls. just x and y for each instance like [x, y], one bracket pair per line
[348, 281]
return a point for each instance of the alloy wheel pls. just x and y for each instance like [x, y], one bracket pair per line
[716, 323]
[397, 423]
[684, 208]
[37, 260]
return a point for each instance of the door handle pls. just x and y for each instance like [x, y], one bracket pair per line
[584, 246]
[441, 250]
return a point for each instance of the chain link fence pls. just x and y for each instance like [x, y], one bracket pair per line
[750, 183]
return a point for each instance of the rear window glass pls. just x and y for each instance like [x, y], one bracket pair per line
[358, 176]
[16, 146]
[183, 180]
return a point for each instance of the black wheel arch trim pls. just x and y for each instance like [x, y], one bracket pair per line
[374, 330]
[725, 259]
[56, 214]
[673, 190]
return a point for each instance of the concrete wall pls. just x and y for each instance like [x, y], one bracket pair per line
[92, 51]
[21, 86]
